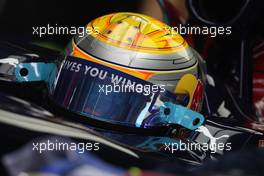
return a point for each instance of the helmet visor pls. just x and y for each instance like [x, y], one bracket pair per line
[109, 95]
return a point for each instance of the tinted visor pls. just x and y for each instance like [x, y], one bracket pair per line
[109, 95]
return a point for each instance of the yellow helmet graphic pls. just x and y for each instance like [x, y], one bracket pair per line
[141, 46]
[137, 32]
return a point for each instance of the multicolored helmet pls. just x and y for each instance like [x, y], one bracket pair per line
[145, 48]
[132, 70]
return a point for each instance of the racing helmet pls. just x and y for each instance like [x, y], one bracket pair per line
[131, 69]
[143, 47]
